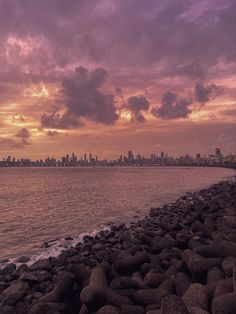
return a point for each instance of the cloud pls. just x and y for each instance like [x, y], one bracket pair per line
[205, 93]
[83, 98]
[193, 71]
[24, 135]
[137, 105]
[52, 133]
[172, 108]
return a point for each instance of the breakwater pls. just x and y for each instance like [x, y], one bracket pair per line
[181, 258]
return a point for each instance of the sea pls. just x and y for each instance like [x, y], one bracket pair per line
[45, 210]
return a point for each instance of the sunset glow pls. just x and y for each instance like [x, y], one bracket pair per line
[162, 68]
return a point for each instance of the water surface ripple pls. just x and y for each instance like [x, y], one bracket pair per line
[38, 204]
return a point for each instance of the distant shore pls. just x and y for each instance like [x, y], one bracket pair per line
[230, 166]
[181, 258]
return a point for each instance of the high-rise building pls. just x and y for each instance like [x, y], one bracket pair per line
[130, 156]
[218, 152]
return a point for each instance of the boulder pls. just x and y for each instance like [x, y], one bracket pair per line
[172, 304]
[196, 295]
[224, 304]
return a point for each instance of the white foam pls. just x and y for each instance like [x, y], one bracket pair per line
[56, 246]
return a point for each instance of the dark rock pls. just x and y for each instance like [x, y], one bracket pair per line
[196, 310]
[114, 298]
[96, 291]
[172, 304]
[42, 308]
[41, 264]
[63, 288]
[7, 310]
[36, 276]
[124, 283]
[23, 259]
[132, 309]
[222, 249]
[4, 285]
[224, 304]
[228, 264]
[108, 309]
[196, 295]
[214, 274]
[15, 293]
[8, 269]
[150, 296]
[153, 279]
[181, 282]
[197, 264]
[131, 263]
[223, 286]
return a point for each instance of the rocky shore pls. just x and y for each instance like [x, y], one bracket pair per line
[181, 258]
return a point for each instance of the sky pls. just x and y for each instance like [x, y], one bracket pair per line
[107, 76]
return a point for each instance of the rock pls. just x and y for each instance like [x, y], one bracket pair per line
[131, 263]
[222, 249]
[84, 309]
[223, 286]
[196, 310]
[23, 259]
[124, 282]
[150, 296]
[63, 288]
[108, 309]
[228, 264]
[9, 269]
[114, 298]
[4, 285]
[138, 278]
[7, 310]
[172, 304]
[181, 283]
[153, 279]
[154, 312]
[97, 288]
[197, 264]
[42, 308]
[132, 309]
[234, 279]
[41, 264]
[224, 304]
[15, 293]
[196, 295]
[36, 276]
[214, 274]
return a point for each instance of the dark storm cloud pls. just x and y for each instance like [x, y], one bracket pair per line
[83, 99]
[6, 143]
[124, 33]
[172, 108]
[52, 133]
[194, 71]
[137, 105]
[24, 135]
[205, 93]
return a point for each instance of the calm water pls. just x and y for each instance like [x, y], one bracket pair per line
[42, 204]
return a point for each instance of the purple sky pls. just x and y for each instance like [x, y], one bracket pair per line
[109, 75]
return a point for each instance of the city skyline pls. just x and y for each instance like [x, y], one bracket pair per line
[129, 159]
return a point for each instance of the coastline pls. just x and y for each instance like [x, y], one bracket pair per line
[152, 266]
